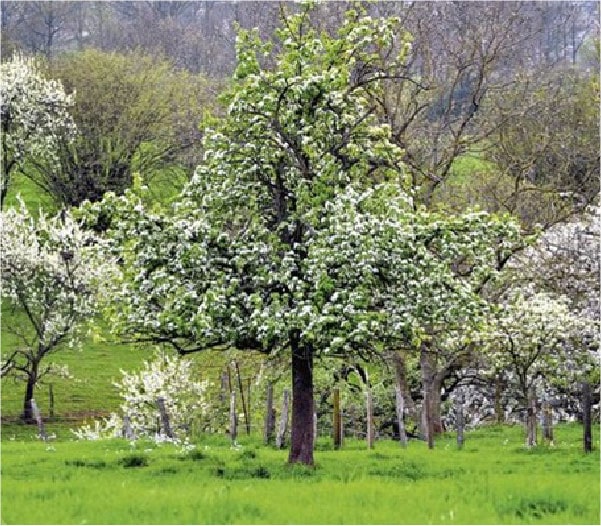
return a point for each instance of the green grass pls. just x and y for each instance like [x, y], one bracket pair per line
[31, 194]
[493, 480]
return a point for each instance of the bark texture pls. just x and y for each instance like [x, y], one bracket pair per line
[301, 449]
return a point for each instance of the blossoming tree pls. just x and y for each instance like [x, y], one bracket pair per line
[33, 115]
[51, 275]
[297, 234]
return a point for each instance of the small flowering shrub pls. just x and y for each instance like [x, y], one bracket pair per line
[167, 377]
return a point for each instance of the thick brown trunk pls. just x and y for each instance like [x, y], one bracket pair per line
[431, 384]
[435, 403]
[301, 449]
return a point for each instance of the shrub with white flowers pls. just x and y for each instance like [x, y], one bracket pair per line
[33, 115]
[169, 377]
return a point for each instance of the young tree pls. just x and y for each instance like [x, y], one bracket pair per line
[536, 340]
[296, 234]
[51, 275]
[34, 116]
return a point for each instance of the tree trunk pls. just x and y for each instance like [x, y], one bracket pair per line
[586, 417]
[531, 418]
[431, 383]
[400, 414]
[499, 414]
[400, 372]
[435, 403]
[301, 449]
[336, 420]
[32, 378]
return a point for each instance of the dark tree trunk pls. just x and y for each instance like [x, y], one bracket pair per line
[301, 449]
[586, 417]
[27, 415]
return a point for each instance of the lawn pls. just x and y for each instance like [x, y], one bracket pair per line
[493, 480]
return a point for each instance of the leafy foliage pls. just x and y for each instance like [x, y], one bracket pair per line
[133, 112]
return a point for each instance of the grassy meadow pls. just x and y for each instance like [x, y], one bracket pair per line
[492, 480]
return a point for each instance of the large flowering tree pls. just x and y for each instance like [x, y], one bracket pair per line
[52, 272]
[296, 234]
[34, 114]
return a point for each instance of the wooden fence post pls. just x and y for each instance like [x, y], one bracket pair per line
[314, 427]
[281, 436]
[336, 421]
[459, 420]
[370, 418]
[531, 418]
[248, 403]
[547, 422]
[38, 418]
[164, 416]
[586, 417]
[245, 408]
[224, 386]
[400, 414]
[127, 430]
[233, 430]
[50, 400]
[269, 415]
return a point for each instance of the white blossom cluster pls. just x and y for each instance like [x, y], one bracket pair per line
[167, 377]
[54, 270]
[299, 222]
[34, 111]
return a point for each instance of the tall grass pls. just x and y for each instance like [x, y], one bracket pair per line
[493, 480]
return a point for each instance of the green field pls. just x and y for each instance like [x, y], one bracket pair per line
[493, 480]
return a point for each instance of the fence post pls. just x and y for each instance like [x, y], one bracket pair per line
[269, 415]
[547, 422]
[224, 386]
[281, 436]
[370, 418]
[459, 420]
[164, 416]
[39, 421]
[245, 409]
[336, 420]
[50, 401]
[531, 418]
[127, 430]
[586, 417]
[400, 414]
[38, 418]
[314, 427]
[233, 430]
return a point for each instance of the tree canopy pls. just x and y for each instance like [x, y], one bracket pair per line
[298, 233]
